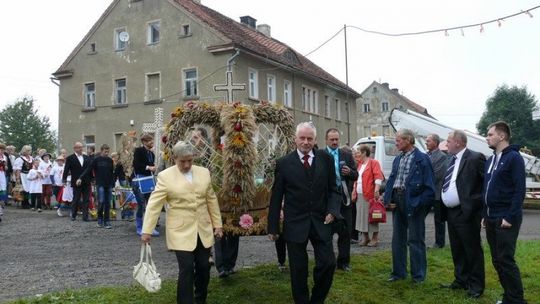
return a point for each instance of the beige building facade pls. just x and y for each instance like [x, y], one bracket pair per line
[375, 105]
[143, 54]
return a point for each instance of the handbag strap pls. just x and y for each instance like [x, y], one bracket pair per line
[149, 258]
[143, 253]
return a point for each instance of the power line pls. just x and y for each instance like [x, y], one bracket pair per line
[330, 39]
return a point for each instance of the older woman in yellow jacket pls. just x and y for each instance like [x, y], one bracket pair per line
[193, 219]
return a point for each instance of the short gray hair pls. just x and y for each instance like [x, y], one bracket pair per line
[183, 148]
[306, 124]
[406, 134]
[459, 134]
[435, 138]
[26, 148]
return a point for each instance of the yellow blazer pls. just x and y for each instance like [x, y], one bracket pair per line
[192, 208]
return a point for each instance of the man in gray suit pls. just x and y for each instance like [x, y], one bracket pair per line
[438, 162]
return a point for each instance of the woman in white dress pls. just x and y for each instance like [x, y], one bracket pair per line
[23, 165]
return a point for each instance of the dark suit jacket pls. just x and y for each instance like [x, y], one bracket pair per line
[9, 166]
[305, 204]
[142, 158]
[439, 161]
[74, 168]
[469, 183]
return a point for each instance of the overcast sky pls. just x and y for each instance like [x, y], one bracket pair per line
[452, 76]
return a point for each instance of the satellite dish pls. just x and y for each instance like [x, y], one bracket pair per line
[123, 36]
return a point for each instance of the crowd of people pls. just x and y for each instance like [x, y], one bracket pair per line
[316, 193]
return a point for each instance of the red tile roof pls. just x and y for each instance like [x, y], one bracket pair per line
[247, 38]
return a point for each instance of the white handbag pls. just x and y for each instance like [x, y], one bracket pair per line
[145, 272]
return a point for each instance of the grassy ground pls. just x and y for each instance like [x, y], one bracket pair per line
[366, 284]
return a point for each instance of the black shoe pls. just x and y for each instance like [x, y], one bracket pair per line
[393, 279]
[474, 294]
[231, 271]
[346, 268]
[453, 285]
[223, 274]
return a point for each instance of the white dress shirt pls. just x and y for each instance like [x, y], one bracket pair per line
[450, 198]
[301, 155]
[359, 180]
[80, 158]
[189, 176]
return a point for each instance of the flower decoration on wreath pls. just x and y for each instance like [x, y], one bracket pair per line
[245, 143]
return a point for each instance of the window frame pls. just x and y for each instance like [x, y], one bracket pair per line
[327, 107]
[310, 99]
[150, 37]
[337, 102]
[287, 93]
[146, 90]
[117, 42]
[366, 107]
[123, 91]
[191, 80]
[93, 95]
[253, 93]
[271, 89]
[383, 104]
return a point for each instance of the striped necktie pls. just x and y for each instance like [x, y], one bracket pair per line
[448, 175]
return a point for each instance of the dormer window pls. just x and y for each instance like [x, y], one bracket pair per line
[153, 32]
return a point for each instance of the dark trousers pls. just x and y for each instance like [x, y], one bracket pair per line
[281, 250]
[193, 270]
[141, 198]
[467, 253]
[344, 237]
[440, 223]
[35, 200]
[81, 195]
[226, 252]
[502, 242]
[104, 202]
[354, 232]
[409, 230]
[323, 273]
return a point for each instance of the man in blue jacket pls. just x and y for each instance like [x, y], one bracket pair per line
[504, 192]
[409, 192]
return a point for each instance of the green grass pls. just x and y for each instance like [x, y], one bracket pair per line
[366, 284]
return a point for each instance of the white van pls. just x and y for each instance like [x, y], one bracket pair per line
[383, 149]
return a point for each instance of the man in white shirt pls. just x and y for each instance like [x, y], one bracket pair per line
[462, 199]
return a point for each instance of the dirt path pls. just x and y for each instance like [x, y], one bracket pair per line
[41, 252]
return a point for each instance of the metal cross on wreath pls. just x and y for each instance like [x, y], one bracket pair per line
[230, 87]
[156, 128]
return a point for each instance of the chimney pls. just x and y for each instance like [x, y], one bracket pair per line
[385, 84]
[395, 90]
[249, 21]
[265, 29]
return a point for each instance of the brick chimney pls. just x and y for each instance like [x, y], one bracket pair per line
[265, 29]
[385, 84]
[249, 21]
[395, 90]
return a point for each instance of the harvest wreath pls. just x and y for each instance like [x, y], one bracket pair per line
[246, 141]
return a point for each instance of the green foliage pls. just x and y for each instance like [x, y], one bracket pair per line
[21, 125]
[515, 106]
[365, 284]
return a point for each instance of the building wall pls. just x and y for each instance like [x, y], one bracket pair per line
[169, 58]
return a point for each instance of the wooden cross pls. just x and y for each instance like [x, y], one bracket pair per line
[155, 127]
[229, 87]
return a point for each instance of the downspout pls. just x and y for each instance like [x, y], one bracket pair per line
[231, 59]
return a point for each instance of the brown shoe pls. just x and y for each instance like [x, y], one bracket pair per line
[373, 243]
[364, 242]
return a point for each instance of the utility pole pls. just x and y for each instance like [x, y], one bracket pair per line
[348, 107]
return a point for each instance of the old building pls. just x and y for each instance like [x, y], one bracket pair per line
[374, 106]
[143, 54]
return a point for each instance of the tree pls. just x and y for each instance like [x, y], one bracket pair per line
[515, 106]
[21, 125]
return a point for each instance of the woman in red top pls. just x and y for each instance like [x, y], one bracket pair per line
[367, 187]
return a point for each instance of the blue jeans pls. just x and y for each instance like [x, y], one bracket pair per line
[409, 230]
[104, 202]
[141, 198]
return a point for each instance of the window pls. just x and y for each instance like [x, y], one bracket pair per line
[90, 95]
[374, 89]
[153, 32]
[190, 83]
[253, 84]
[186, 30]
[386, 130]
[384, 106]
[153, 87]
[310, 100]
[92, 48]
[347, 111]
[120, 42]
[271, 85]
[120, 91]
[327, 106]
[287, 93]
[89, 141]
[367, 108]
[338, 109]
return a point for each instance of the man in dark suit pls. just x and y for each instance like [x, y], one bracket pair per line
[346, 175]
[76, 163]
[438, 162]
[305, 181]
[462, 197]
[143, 165]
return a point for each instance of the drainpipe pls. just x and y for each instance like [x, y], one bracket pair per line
[231, 59]
[53, 80]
